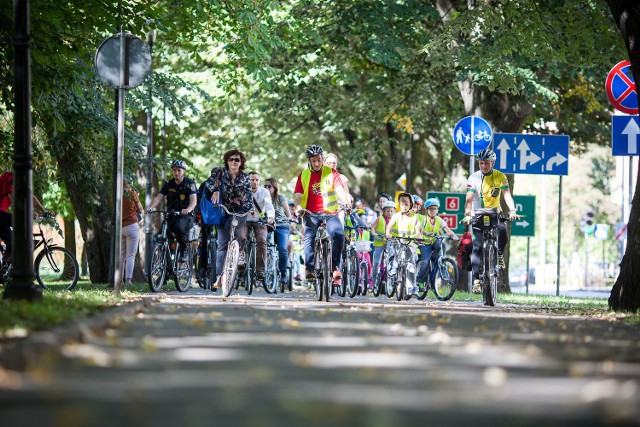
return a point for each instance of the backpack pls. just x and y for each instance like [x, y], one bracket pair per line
[464, 251]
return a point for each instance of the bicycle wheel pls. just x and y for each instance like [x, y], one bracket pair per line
[250, 270]
[290, 273]
[363, 278]
[158, 272]
[210, 274]
[182, 276]
[446, 281]
[490, 279]
[327, 277]
[230, 268]
[390, 285]
[317, 267]
[422, 293]
[401, 283]
[351, 273]
[57, 269]
[271, 272]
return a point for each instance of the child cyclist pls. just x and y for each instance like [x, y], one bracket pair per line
[432, 226]
[379, 230]
[406, 223]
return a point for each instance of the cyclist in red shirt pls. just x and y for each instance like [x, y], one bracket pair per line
[318, 189]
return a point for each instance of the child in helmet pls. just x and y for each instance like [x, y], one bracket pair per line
[379, 229]
[432, 224]
[406, 223]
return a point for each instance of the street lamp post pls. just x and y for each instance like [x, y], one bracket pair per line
[21, 284]
[148, 227]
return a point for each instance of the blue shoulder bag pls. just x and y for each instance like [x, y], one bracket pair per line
[212, 215]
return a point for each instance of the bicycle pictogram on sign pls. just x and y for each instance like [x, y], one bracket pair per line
[621, 89]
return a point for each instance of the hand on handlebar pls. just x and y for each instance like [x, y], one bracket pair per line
[466, 220]
[513, 216]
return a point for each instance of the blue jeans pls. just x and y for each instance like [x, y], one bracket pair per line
[377, 257]
[427, 252]
[281, 237]
[336, 232]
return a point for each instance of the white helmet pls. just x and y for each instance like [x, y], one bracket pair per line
[388, 204]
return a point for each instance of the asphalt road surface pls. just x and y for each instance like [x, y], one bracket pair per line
[198, 359]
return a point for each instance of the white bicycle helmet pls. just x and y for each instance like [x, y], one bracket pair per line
[388, 204]
[486, 154]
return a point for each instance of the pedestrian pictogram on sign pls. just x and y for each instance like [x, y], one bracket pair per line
[452, 203]
[621, 89]
[472, 134]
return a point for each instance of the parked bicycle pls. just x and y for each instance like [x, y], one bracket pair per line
[165, 260]
[230, 268]
[486, 221]
[56, 268]
[443, 273]
[322, 256]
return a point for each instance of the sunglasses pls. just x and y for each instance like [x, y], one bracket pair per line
[268, 186]
[234, 159]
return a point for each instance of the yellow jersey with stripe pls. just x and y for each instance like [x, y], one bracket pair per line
[486, 189]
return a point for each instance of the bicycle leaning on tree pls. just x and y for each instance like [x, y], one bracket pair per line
[56, 268]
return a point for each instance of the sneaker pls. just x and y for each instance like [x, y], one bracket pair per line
[284, 278]
[218, 284]
[297, 278]
[337, 277]
[260, 277]
[477, 286]
[420, 286]
[310, 276]
[501, 263]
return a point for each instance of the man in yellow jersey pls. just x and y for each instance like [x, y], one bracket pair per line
[318, 189]
[483, 191]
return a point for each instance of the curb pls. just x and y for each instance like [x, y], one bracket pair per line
[21, 353]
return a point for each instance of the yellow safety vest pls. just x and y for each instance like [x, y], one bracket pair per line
[381, 228]
[435, 228]
[329, 195]
[406, 226]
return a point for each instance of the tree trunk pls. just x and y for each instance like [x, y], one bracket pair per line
[70, 234]
[90, 206]
[625, 295]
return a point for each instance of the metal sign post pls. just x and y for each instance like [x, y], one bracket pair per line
[122, 61]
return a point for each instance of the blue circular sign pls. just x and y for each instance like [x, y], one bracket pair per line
[472, 144]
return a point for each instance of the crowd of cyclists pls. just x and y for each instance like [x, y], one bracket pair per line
[321, 189]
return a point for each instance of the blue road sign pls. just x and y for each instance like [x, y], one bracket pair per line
[482, 134]
[624, 135]
[532, 154]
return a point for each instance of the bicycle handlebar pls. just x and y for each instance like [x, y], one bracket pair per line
[167, 212]
[321, 215]
[219, 205]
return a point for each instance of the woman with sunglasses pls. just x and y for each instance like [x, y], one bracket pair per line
[281, 233]
[236, 197]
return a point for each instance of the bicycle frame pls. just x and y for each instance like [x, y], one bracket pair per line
[486, 221]
[230, 268]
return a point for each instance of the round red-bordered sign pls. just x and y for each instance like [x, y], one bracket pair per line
[621, 89]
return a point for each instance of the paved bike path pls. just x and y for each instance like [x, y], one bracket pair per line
[198, 359]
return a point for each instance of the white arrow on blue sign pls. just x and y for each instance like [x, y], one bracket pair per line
[462, 135]
[532, 154]
[624, 135]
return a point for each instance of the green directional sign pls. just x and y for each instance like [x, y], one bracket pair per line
[451, 209]
[526, 208]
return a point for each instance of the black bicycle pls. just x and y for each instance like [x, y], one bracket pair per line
[323, 276]
[165, 260]
[486, 221]
[443, 274]
[56, 267]
[402, 265]
[209, 273]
